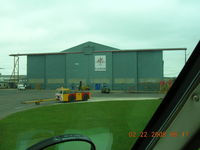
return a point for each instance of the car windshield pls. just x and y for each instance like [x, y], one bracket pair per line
[105, 82]
[59, 91]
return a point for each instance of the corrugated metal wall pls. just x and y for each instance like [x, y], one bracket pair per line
[36, 71]
[124, 70]
[55, 71]
[77, 69]
[150, 70]
[101, 77]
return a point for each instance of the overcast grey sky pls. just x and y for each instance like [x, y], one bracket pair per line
[32, 26]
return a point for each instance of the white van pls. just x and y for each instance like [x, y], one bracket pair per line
[21, 86]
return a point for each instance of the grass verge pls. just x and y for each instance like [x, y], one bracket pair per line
[111, 120]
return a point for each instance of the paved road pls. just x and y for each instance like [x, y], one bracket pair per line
[10, 99]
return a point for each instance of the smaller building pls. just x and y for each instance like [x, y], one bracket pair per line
[4, 85]
[6, 82]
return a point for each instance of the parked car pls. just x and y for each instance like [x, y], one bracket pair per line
[21, 86]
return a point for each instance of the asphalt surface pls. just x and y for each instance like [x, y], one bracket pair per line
[11, 99]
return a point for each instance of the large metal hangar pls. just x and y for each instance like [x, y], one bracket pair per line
[97, 65]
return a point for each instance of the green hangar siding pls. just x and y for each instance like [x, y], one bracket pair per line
[46, 71]
[36, 71]
[101, 77]
[77, 69]
[123, 70]
[137, 71]
[55, 71]
[149, 70]
[80, 67]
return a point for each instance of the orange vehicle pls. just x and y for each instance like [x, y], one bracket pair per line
[66, 95]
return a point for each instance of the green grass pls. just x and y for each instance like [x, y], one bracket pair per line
[106, 123]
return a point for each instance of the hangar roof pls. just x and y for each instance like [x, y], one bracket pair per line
[90, 46]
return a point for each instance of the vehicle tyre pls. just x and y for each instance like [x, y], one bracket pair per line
[71, 98]
[37, 103]
[85, 97]
[108, 91]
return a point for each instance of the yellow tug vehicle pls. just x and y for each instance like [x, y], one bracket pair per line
[64, 95]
